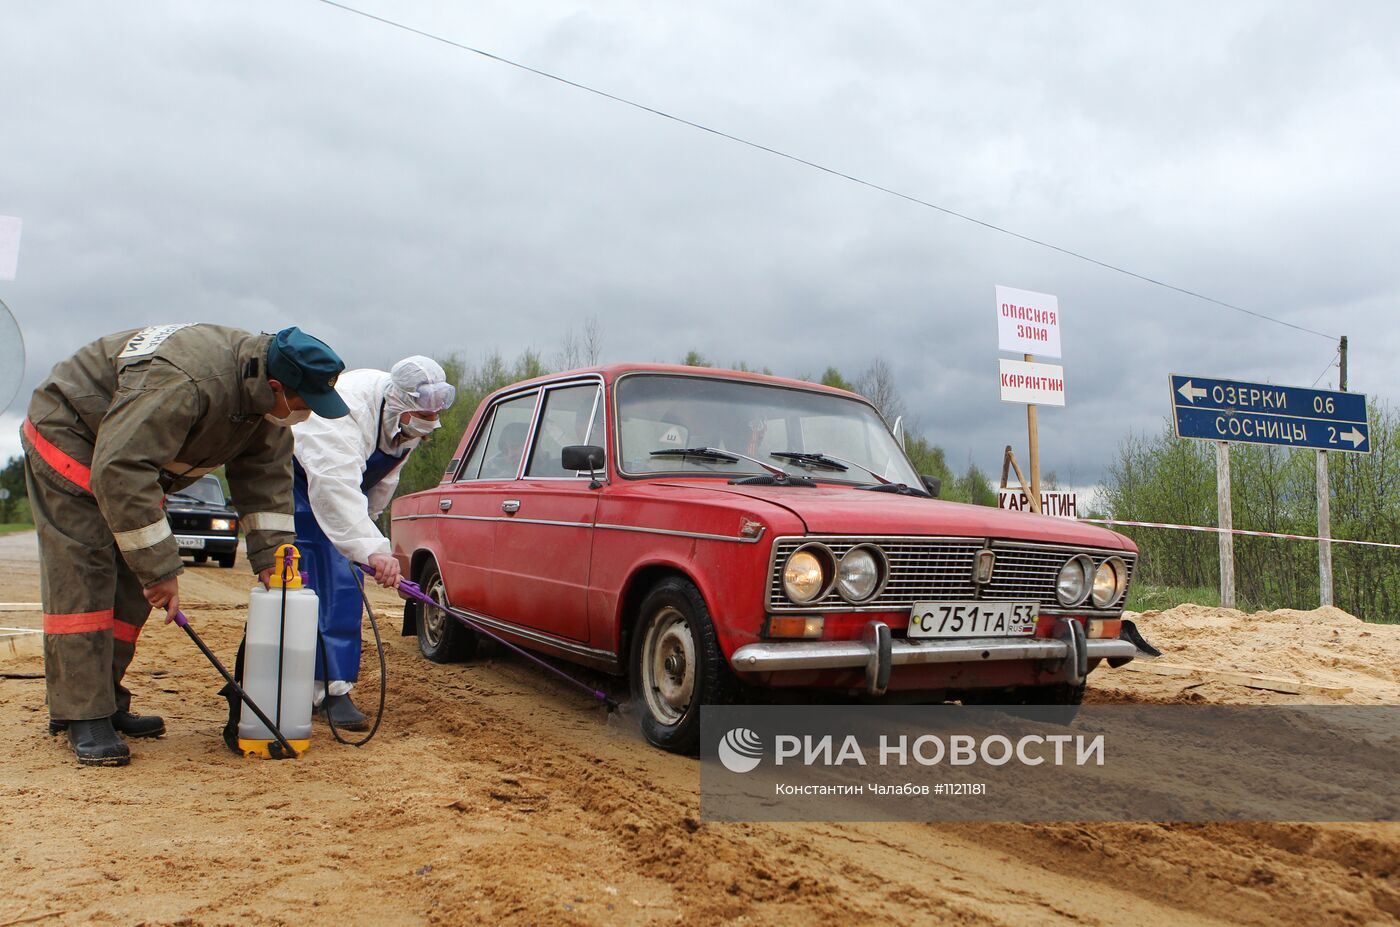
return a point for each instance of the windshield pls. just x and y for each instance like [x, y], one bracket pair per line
[207, 490]
[810, 430]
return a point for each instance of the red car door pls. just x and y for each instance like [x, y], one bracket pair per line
[469, 508]
[545, 537]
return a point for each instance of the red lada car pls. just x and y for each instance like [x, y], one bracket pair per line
[704, 531]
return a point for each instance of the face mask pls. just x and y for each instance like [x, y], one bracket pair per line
[417, 427]
[291, 418]
[287, 421]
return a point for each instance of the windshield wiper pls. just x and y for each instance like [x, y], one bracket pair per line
[715, 454]
[898, 488]
[811, 461]
[775, 475]
[703, 453]
[817, 459]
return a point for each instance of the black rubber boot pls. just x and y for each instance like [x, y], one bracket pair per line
[138, 725]
[343, 712]
[124, 722]
[96, 743]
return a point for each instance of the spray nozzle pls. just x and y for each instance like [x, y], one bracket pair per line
[287, 576]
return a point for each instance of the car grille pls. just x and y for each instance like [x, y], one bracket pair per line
[189, 522]
[940, 569]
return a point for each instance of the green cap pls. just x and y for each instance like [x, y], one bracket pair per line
[308, 367]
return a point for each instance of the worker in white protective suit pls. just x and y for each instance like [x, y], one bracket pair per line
[345, 472]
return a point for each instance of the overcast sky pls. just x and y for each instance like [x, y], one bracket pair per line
[267, 163]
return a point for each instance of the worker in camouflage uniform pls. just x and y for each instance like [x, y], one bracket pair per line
[112, 430]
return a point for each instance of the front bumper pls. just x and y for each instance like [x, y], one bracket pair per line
[878, 653]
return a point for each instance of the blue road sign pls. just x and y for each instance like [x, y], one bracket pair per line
[1261, 413]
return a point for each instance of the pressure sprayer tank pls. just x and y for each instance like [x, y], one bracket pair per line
[285, 639]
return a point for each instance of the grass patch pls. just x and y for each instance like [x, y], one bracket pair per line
[15, 528]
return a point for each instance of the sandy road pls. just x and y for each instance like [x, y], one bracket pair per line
[494, 794]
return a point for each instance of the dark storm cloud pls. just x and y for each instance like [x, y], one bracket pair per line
[275, 163]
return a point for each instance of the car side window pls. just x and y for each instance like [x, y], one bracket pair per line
[497, 453]
[568, 413]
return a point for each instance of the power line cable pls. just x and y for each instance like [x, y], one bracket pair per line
[1330, 364]
[823, 168]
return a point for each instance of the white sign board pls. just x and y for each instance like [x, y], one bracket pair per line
[9, 246]
[1027, 322]
[1058, 504]
[1039, 384]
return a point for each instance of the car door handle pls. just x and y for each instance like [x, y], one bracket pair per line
[510, 506]
[444, 504]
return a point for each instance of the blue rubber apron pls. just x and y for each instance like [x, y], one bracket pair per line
[332, 575]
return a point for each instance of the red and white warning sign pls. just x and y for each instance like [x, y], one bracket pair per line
[1028, 322]
[1040, 384]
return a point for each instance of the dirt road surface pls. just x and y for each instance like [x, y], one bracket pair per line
[495, 795]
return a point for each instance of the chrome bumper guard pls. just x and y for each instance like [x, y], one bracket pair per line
[877, 652]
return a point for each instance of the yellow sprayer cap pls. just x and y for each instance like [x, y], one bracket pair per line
[281, 576]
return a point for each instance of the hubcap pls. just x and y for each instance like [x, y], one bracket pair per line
[668, 666]
[433, 620]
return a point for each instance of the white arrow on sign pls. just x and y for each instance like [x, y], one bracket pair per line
[1191, 393]
[1355, 437]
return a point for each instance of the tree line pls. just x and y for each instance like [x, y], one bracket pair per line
[1163, 478]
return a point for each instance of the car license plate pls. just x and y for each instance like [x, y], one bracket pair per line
[189, 543]
[972, 619]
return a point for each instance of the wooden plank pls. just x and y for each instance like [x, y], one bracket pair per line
[1237, 678]
[1226, 521]
[21, 607]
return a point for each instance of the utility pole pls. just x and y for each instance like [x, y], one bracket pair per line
[1324, 501]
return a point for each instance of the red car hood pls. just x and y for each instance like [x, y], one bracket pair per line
[835, 510]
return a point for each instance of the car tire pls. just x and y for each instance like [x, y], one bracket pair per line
[676, 666]
[441, 638]
[201, 558]
[226, 560]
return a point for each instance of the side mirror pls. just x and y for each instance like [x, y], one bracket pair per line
[932, 483]
[588, 457]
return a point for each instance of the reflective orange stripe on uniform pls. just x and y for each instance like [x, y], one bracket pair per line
[73, 471]
[80, 623]
[125, 632]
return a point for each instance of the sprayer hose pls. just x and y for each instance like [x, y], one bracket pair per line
[383, 677]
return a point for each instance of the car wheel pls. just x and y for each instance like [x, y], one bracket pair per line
[441, 638]
[201, 558]
[676, 666]
[226, 560]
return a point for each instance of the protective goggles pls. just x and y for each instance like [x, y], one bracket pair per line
[433, 397]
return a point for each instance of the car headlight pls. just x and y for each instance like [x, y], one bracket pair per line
[859, 573]
[1072, 586]
[807, 574]
[1109, 582]
[223, 524]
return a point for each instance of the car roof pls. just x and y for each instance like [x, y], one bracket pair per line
[611, 372]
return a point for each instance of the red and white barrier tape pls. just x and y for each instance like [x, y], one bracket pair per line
[1255, 534]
